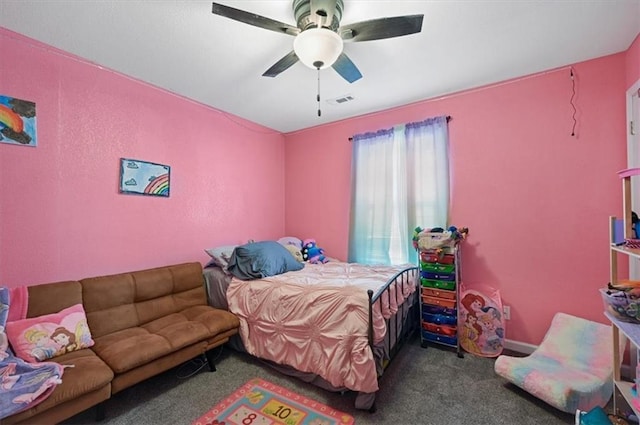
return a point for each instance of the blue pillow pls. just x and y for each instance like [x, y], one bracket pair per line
[261, 259]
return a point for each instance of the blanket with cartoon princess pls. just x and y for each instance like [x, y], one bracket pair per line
[22, 384]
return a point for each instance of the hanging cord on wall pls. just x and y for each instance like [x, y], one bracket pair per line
[573, 94]
[318, 96]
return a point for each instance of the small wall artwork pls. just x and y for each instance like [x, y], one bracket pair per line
[144, 178]
[17, 121]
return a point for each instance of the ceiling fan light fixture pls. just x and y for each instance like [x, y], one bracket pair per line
[318, 48]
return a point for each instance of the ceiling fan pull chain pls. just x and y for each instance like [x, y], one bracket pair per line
[318, 96]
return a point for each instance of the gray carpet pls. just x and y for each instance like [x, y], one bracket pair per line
[422, 386]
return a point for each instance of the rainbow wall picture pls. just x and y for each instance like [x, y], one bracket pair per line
[17, 121]
[144, 178]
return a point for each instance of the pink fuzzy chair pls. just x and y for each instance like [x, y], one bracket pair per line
[571, 369]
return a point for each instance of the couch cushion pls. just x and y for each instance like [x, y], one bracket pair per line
[126, 349]
[50, 298]
[193, 324]
[216, 320]
[88, 373]
[118, 302]
[130, 348]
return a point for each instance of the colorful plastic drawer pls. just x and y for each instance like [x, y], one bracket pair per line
[440, 329]
[440, 319]
[433, 257]
[451, 295]
[434, 309]
[437, 267]
[439, 338]
[428, 257]
[442, 302]
[438, 276]
[439, 284]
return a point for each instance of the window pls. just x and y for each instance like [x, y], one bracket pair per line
[400, 180]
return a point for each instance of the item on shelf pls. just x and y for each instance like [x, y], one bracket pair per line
[617, 420]
[632, 243]
[626, 285]
[623, 305]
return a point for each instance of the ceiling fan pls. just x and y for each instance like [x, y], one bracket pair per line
[319, 36]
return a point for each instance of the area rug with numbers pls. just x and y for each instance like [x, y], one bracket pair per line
[259, 402]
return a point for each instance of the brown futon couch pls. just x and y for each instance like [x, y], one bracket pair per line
[143, 323]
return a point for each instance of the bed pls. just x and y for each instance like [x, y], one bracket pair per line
[337, 325]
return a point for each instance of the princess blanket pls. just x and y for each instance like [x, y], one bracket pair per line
[22, 384]
[317, 319]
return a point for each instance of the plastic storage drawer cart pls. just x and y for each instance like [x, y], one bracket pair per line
[439, 276]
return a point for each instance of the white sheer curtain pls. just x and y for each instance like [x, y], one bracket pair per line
[400, 180]
[372, 177]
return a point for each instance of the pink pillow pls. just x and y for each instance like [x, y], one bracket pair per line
[43, 337]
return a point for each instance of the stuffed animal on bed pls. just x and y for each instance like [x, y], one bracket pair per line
[312, 253]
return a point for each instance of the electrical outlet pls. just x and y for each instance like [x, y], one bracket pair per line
[506, 309]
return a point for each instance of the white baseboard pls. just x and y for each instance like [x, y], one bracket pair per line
[519, 347]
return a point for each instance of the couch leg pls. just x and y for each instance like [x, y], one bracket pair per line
[210, 360]
[100, 414]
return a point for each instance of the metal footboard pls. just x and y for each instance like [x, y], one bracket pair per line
[401, 325]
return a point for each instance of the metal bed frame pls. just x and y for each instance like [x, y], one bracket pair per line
[402, 325]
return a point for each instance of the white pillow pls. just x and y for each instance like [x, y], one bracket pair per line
[220, 255]
[290, 240]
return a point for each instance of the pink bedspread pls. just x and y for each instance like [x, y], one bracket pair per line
[316, 319]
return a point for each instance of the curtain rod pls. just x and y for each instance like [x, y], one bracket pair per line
[449, 118]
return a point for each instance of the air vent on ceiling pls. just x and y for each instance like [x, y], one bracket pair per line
[342, 99]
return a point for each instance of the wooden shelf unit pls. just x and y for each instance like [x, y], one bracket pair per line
[622, 331]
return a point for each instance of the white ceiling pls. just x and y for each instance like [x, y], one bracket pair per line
[182, 47]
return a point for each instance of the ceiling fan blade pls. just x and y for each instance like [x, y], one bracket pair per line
[377, 29]
[282, 65]
[346, 68]
[253, 19]
[322, 10]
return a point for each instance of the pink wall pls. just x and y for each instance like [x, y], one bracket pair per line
[633, 62]
[536, 200]
[60, 212]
